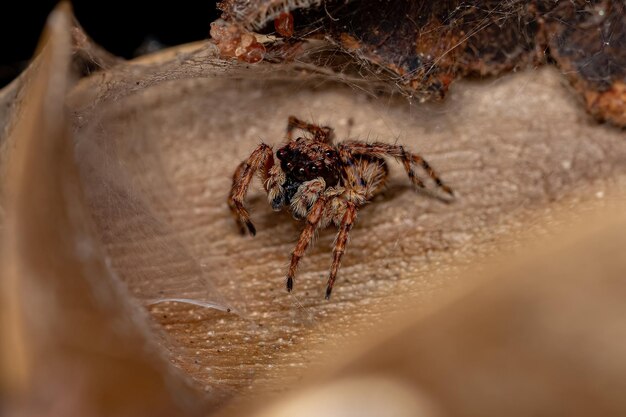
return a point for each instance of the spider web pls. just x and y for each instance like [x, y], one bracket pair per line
[130, 196]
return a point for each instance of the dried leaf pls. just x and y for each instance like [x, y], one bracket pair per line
[514, 150]
[156, 141]
[72, 340]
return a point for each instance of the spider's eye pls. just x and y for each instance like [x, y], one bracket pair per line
[313, 169]
[281, 153]
[329, 154]
[289, 165]
[301, 171]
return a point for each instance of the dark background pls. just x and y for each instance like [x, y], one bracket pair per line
[126, 28]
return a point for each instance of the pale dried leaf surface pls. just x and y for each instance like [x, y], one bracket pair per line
[514, 149]
[543, 336]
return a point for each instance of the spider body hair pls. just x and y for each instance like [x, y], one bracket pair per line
[321, 183]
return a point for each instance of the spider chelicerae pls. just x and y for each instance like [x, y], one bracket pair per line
[321, 182]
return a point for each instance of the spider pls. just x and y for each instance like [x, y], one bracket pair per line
[320, 182]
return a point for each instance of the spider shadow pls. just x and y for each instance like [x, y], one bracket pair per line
[266, 218]
[392, 190]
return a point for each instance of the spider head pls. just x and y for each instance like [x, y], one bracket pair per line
[305, 159]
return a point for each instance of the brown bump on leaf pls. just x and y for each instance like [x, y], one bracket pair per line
[608, 105]
[233, 41]
[349, 42]
[588, 42]
[283, 24]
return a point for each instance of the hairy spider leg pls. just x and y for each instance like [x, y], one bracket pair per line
[364, 176]
[261, 160]
[398, 152]
[274, 187]
[340, 244]
[321, 133]
[306, 196]
[312, 222]
[374, 172]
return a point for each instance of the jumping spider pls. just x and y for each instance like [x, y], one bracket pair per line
[321, 182]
